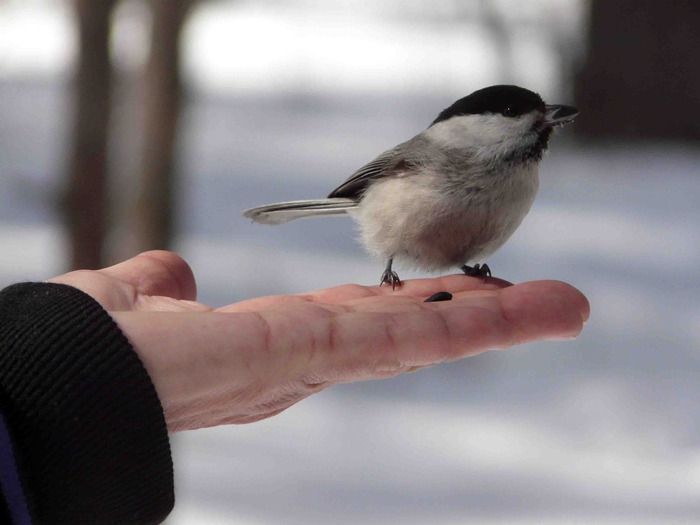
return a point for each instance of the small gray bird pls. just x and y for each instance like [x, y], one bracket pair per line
[451, 195]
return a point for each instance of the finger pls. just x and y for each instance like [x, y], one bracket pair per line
[545, 309]
[422, 288]
[367, 345]
[156, 272]
[419, 288]
[454, 283]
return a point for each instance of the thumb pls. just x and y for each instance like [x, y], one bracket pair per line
[156, 272]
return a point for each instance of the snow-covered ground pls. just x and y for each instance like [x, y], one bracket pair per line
[600, 430]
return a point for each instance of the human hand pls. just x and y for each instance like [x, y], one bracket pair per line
[253, 359]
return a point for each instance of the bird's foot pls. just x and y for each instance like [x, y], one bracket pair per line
[478, 270]
[390, 277]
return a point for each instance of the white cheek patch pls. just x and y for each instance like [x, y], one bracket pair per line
[489, 135]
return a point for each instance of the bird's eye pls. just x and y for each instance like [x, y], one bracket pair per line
[510, 111]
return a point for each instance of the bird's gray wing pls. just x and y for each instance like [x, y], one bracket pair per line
[388, 163]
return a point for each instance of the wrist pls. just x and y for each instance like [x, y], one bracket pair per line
[206, 367]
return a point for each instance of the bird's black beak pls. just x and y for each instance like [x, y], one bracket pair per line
[556, 115]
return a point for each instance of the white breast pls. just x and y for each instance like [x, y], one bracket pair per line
[431, 226]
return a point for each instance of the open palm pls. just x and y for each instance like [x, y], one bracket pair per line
[252, 359]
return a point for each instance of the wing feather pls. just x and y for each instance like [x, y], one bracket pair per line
[386, 164]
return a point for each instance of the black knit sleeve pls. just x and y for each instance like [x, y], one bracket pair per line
[85, 421]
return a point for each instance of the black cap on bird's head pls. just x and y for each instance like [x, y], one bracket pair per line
[527, 141]
[509, 101]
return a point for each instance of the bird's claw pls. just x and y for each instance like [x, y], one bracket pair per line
[478, 270]
[390, 277]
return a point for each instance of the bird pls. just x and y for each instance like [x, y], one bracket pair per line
[451, 195]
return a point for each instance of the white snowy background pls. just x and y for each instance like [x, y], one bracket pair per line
[285, 99]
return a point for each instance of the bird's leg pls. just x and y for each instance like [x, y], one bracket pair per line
[389, 276]
[478, 270]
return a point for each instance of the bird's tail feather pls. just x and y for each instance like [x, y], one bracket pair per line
[281, 212]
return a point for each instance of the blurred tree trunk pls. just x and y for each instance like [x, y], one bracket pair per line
[85, 198]
[642, 74]
[154, 214]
